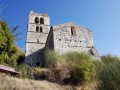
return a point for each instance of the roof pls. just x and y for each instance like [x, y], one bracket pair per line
[6, 69]
[33, 13]
[69, 24]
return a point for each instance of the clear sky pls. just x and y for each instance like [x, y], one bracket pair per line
[102, 17]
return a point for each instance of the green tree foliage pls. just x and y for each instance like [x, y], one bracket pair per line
[6, 38]
[8, 51]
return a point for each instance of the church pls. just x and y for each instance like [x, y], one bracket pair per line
[63, 38]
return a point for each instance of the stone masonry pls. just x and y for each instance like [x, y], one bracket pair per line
[62, 38]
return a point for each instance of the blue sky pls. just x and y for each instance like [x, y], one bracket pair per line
[102, 17]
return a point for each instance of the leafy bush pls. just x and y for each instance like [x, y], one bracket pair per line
[108, 72]
[110, 59]
[58, 67]
[81, 67]
[39, 74]
[51, 59]
[25, 71]
[72, 67]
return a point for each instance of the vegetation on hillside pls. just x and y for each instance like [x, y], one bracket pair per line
[9, 52]
[78, 69]
[10, 83]
[108, 72]
[75, 67]
[82, 68]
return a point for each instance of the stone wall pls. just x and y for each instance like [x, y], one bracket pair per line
[64, 41]
[32, 27]
[36, 39]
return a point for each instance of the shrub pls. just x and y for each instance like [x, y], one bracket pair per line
[17, 56]
[81, 67]
[58, 67]
[109, 72]
[25, 71]
[51, 59]
[72, 67]
[39, 74]
[110, 59]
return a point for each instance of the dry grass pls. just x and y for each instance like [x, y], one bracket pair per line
[10, 83]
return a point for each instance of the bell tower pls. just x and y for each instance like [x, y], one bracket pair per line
[38, 29]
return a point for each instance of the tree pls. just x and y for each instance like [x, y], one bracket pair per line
[2, 6]
[15, 31]
[9, 53]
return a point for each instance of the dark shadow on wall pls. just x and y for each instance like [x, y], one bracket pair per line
[36, 58]
[50, 41]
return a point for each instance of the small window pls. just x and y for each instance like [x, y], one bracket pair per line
[37, 29]
[41, 29]
[36, 20]
[37, 64]
[59, 39]
[41, 20]
[37, 40]
[91, 52]
[73, 32]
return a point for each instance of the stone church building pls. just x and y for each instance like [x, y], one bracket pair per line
[63, 38]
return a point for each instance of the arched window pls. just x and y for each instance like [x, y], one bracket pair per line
[73, 32]
[37, 29]
[36, 20]
[41, 29]
[41, 20]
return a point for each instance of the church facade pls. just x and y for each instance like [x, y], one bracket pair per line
[63, 38]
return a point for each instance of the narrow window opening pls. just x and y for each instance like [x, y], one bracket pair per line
[36, 20]
[73, 32]
[37, 29]
[91, 52]
[41, 29]
[37, 40]
[41, 20]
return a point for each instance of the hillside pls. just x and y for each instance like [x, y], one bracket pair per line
[10, 83]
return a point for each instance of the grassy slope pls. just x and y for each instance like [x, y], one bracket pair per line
[10, 83]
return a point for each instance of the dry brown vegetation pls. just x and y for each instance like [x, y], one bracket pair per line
[10, 83]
